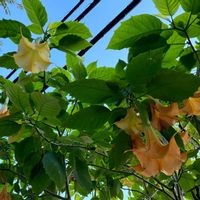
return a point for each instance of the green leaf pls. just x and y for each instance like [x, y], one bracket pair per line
[93, 91]
[72, 28]
[144, 67]
[192, 6]
[26, 147]
[35, 28]
[177, 44]
[188, 23]
[173, 85]
[39, 179]
[54, 168]
[81, 173]
[14, 30]
[36, 13]
[187, 182]
[134, 29]
[167, 7]
[72, 43]
[8, 127]
[103, 73]
[23, 133]
[153, 41]
[89, 118]
[46, 105]
[76, 67]
[19, 98]
[7, 61]
[121, 150]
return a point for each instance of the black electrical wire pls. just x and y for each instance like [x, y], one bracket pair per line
[72, 10]
[87, 10]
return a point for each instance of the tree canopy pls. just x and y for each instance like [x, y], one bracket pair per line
[127, 132]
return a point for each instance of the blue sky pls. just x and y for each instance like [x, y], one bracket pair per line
[105, 11]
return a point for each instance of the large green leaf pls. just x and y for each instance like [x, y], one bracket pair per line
[72, 43]
[14, 30]
[54, 168]
[89, 118]
[94, 91]
[39, 179]
[46, 105]
[26, 147]
[81, 173]
[36, 13]
[173, 85]
[153, 41]
[8, 127]
[167, 7]
[192, 6]
[187, 182]
[70, 28]
[134, 29]
[120, 152]
[19, 98]
[76, 67]
[103, 73]
[188, 23]
[176, 43]
[143, 67]
[7, 61]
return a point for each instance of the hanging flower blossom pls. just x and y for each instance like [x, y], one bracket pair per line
[191, 106]
[164, 117]
[4, 194]
[32, 57]
[4, 111]
[153, 155]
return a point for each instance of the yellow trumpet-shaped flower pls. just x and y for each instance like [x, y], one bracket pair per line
[32, 57]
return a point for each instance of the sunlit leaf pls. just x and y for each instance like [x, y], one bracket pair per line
[167, 7]
[134, 29]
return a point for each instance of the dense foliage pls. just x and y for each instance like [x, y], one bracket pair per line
[127, 132]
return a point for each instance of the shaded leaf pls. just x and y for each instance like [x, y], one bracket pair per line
[8, 127]
[46, 105]
[89, 118]
[81, 173]
[14, 30]
[39, 179]
[73, 43]
[173, 85]
[144, 67]
[94, 91]
[54, 168]
[7, 61]
[19, 98]
[76, 67]
[121, 150]
[192, 6]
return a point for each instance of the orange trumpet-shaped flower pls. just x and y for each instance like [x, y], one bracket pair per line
[4, 111]
[191, 106]
[32, 57]
[4, 194]
[164, 117]
[154, 157]
[167, 159]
